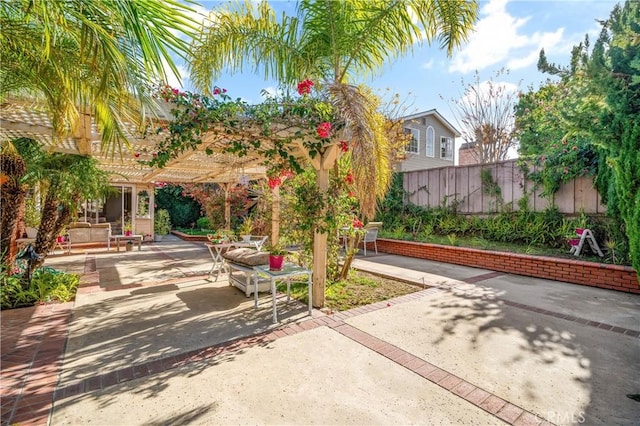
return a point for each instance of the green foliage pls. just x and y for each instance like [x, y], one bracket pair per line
[307, 211]
[592, 122]
[203, 223]
[91, 53]
[490, 187]
[184, 210]
[162, 222]
[31, 212]
[46, 285]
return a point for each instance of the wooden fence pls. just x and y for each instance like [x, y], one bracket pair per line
[463, 184]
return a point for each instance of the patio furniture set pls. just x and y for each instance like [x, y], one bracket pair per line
[248, 269]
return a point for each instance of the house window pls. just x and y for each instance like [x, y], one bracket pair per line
[413, 146]
[431, 139]
[446, 148]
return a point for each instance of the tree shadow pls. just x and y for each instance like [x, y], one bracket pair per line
[565, 371]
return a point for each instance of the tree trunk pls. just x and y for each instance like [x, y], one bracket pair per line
[12, 197]
[352, 249]
[46, 233]
[12, 168]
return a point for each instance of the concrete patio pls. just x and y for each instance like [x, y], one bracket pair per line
[155, 341]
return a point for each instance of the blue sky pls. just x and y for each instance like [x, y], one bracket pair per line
[509, 34]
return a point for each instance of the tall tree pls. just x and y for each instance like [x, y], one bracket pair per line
[615, 69]
[66, 180]
[13, 169]
[332, 43]
[590, 121]
[485, 112]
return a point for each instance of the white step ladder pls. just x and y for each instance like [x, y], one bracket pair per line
[587, 236]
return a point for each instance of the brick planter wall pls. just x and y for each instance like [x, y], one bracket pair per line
[615, 277]
[188, 237]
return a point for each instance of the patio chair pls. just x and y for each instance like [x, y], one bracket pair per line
[370, 236]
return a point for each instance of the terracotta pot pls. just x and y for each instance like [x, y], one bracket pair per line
[275, 262]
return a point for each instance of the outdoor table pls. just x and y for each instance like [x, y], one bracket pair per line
[256, 243]
[132, 237]
[217, 250]
[288, 271]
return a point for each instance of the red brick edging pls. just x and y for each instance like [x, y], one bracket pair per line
[614, 277]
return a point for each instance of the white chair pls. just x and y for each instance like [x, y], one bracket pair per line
[370, 236]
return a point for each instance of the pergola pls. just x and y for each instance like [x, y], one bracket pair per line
[22, 119]
[19, 118]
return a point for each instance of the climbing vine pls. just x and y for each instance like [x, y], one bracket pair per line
[272, 130]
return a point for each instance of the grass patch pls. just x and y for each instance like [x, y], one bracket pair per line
[359, 289]
[199, 232]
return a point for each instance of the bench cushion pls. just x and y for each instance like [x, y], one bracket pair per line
[247, 257]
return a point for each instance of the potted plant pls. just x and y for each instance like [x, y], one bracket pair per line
[161, 224]
[127, 228]
[276, 256]
[245, 229]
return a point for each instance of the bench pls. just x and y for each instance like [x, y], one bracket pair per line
[87, 233]
[241, 273]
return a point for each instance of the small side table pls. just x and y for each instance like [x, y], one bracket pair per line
[132, 237]
[217, 250]
[288, 271]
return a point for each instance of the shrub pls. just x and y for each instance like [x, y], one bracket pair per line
[47, 285]
[203, 223]
[162, 222]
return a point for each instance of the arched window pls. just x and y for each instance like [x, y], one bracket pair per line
[431, 138]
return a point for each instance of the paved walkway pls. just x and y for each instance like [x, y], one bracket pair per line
[152, 341]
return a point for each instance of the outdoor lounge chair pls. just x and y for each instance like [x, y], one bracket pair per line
[370, 236]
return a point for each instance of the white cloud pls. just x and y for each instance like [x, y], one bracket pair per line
[428, 65]
[173, 80]
[498, 38]
[269, 91]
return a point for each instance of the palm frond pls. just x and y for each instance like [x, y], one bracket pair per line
[365, 129]
[243, 35]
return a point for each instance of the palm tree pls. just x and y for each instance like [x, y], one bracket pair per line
[13, 169]
[90, 57]
[332, 42]
[65, 180]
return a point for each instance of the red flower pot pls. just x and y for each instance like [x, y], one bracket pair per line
[127, 233]
[275, 262]
[579, 231]
[574, 241]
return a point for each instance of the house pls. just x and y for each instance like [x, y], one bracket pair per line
[468, 154]
[432, 144]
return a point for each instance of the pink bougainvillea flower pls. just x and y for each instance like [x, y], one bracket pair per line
[304, 87]
[274, 182]
[324, 130]
[216, 91]
[349, 178]
[344, 146]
